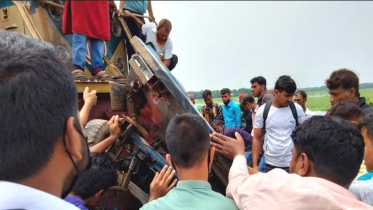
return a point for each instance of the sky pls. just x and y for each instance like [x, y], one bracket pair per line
[226, 43]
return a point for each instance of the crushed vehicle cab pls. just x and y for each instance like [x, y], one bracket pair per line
[146, 95]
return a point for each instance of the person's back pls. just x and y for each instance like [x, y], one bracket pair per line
[192, 164]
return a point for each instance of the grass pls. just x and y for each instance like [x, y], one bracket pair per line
[317, 101]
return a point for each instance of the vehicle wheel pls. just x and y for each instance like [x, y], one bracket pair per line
[97, 130]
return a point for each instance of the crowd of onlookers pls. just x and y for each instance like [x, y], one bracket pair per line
[284, 157]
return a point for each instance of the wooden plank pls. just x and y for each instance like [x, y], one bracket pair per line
[100, 87]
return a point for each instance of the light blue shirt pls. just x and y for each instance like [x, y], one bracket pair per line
[136, 6]
[232, 115]
[192, 194]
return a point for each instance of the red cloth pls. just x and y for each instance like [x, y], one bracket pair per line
[90, 18]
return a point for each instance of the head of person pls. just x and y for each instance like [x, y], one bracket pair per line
[163, 31]
[343, 85]
[347, 111]
[225, 94]
[191, 97]
[327, 147]
[183, 133]
[207, 97]
[284, 90]
[248, 103]
[258, 86]
[217, 125]
[300, 98]
[39, 114]
[240, 97]
[271, 89]
[101, 161]
[366, 128]
[92, 183]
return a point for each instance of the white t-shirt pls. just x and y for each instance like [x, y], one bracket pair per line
[17, 196]
[279, 127]
[150, 30]
[308, 114]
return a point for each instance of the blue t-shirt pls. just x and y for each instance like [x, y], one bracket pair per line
[78, 202]
[232, 115]
[136, 6]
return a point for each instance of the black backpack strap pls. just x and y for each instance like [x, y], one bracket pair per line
[268, 105]
[294, 111]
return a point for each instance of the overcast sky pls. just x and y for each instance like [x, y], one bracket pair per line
[225, 44]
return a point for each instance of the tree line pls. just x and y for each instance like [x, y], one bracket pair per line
[236, 92]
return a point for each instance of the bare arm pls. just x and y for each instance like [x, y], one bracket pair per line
[258, 136]
[167, 62]
[90, 100]
[121, 5]
[150, 10]
[138, 22]
[115, 131]
[103, 145]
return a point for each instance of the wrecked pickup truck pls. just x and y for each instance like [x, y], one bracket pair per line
[147, 96]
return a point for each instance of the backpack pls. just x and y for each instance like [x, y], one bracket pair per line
[268, 106]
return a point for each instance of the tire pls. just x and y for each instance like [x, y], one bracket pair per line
[97, 130]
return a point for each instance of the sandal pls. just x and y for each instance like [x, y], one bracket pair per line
[102, 75]
[78, 74]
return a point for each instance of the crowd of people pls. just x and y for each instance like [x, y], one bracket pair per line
[284, 156]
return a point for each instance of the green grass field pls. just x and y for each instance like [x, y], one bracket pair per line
[317, 101]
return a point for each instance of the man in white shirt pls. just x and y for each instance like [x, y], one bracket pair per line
[300, 98]
[282, 117]
[42, 143]
[158, 36]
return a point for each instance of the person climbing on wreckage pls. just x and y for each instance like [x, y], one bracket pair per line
[88, 21]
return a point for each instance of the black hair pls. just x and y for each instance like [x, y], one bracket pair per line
[101, 161]
[93, 180]
[217, 122]
[187, 139]
[344, 78]
[286, 83]
[206, 93]
[302, 93]
[334, 145]
[260, 80]
[224, 91]
[367, 123]
[38, 95]
[247, 98]
[346, 110]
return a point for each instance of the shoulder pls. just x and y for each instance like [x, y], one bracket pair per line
[299, 108]
[222, 201]
[148, 26]
[260, 110]
[169, 42]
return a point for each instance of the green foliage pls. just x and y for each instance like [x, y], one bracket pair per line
[369, 101]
